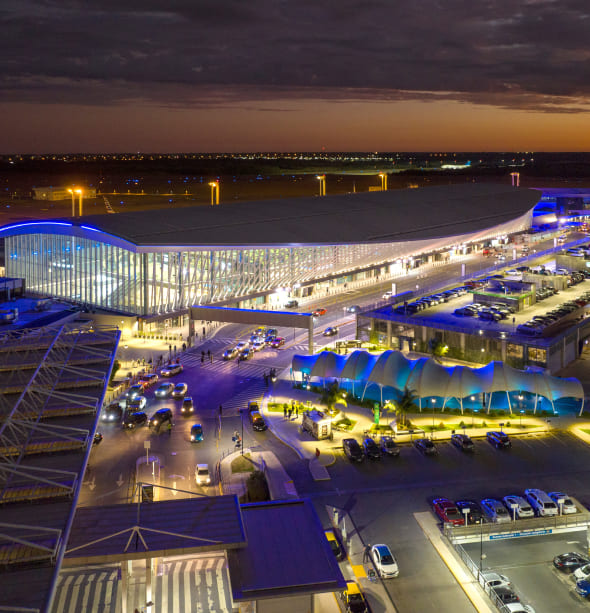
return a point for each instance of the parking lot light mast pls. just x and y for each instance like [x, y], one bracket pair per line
[73, 202]
[214, 192]
[383, 178]
[322, 180]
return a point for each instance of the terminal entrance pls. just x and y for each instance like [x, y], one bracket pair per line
[273, 319]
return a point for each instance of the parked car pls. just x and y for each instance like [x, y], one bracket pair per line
[319, 312]
[188, 407]
[583, 587]
[495, 510]
[230, 353]
[505, 595]
[475, 515]
[462, 442]
[570, 562]
[352, 450]
[331, 331]
[291, 304]
[425, 446]
[335, 545]
[196, 433]
[523, 508]
[354, 599]
[202, 475]
[371, 449]
[583, 572]
[277, 341]
[567, 505]
[161, 416]
[500, 440]
[132, 420]
[171, 369]
[385, 564]
[541, 503]
[448, 511]
[494, 581]
[164, 390]
[180, 390]
[389, 446]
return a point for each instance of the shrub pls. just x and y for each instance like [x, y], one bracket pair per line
[257, 487]
[507, 424]
[462, 425]
[441, 425]
[501, 413]
[484, 424]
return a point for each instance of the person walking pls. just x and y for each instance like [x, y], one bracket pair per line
[169, 428]
[297, 411]
[285, 412]
[202, 356]
[220, 410]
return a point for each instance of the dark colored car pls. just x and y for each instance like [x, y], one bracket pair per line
[352, 450]
[500, 440]
[462, 442]
[188, 406]
[475, 515]
[245, 355]
[425, 446]
[389, 446]
[161, 416]
[277, 341]
[196, 433]
[569, 562]
[505, 595]
[132, 420]
[331, 331]
[291, 304]
[371, 449]
[257, 421]
[113, 412]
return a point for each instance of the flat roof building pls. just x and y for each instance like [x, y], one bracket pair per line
[163, 261]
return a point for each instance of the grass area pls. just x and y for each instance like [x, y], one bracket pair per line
[279, 407]
[586, 430]
[345, 424]
[242, 464]
[381, 429]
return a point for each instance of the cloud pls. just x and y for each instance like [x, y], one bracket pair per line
[519, 54]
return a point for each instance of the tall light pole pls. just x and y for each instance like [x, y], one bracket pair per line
[73, 202]
[322, 180]
[214, 192]
[80, 192]
[383, 177]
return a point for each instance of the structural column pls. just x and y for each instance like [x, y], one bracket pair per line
[310, 336]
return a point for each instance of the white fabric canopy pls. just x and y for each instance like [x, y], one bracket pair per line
[429, 378]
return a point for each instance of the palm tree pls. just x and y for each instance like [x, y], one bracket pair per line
[332, 395]
[407, 403]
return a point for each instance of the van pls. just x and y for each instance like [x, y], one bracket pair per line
[541, 503]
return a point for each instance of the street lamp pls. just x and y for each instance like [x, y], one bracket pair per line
[73, 202]
[383, 178]
[322, 180]
[80, 192]
[433, 400]
[520, 416]
[481, 555]
[214, 192]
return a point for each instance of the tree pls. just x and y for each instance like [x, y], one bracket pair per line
[437, 348]
[116, 367]
[331, 395]
[407, 403]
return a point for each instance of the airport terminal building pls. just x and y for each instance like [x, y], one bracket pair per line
[158, 262]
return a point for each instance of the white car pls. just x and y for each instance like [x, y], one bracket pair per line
[384, 562]
[517, 607]
[583, 572]
[180, 390]
[387, 295]
[495, 510]
[494, 580]
[242, 345]
[164, 390]
[202, 475]
[523, 509]
[568, 505]
[258, 345]
[170, 370]
[137, 404]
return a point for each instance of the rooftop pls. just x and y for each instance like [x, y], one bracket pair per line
[379, 217]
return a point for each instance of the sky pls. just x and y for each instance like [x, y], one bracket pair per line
[294, 75]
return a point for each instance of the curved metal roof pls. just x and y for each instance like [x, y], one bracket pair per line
[369, 217]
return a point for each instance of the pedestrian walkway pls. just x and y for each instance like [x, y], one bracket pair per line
[252, 392]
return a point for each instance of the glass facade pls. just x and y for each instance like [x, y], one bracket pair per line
[93, 268]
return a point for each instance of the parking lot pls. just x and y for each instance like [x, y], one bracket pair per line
[383, 495]
[527, 562]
